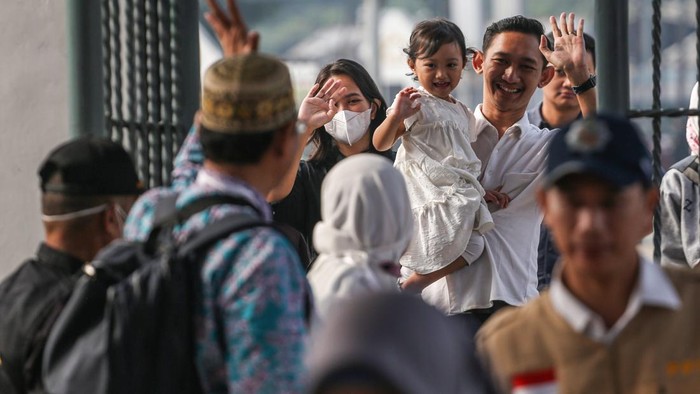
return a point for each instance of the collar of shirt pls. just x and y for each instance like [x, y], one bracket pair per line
[653, 288]
[57, 259]
[535, 117]
[216, 181]
[482, 125]
[541, 123]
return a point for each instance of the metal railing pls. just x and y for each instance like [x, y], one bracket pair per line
[146, 90]
[656, 112]
[613, 71]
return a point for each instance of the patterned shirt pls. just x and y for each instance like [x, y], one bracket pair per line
[188, 161]
[252, 283]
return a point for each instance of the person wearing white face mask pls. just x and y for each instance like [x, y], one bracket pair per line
[347, 89]
[87, 185]
[361, 108]
[348, 127]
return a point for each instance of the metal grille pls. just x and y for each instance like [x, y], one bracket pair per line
[656, 112]
[143, 103]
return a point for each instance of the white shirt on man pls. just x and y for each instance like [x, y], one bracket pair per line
[515, 163]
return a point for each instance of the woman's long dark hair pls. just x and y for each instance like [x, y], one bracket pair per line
[323, 142]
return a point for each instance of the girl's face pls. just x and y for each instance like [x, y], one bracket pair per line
[440, 73]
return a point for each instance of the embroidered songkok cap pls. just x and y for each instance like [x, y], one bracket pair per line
[247, 94]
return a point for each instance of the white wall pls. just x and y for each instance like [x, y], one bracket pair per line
[33, 116]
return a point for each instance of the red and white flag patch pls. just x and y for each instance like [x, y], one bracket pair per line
[535, 382]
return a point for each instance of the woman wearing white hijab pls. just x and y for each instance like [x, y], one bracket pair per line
[680, 203]
[366, 225]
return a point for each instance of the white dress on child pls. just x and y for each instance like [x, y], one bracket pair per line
[441, 169]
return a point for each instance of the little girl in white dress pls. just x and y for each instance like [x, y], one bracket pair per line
[440, 169]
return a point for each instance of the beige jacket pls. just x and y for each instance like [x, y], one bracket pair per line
[657, 352]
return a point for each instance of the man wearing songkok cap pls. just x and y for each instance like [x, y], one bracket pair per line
[87, 187]
[252, 316]
[611, 322]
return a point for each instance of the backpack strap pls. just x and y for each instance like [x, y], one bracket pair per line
[203, 203]
[165, 210]
[167, 215]
[211, 233]
[243, 221]
[226, 226]
[220, 229]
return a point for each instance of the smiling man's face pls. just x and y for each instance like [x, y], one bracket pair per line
[513, 68]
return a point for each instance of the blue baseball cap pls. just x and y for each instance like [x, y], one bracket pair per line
[605, 146]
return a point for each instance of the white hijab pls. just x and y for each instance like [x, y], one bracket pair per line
[366, 222]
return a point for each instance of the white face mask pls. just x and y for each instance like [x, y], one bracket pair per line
[349, 126]
[119, 213]
[74, 215]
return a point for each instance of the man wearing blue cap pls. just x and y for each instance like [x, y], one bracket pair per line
[611, 321]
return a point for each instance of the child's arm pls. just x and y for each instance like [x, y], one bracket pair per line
[417, 282]
[392, 127]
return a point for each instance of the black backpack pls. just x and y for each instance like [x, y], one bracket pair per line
[128, 326]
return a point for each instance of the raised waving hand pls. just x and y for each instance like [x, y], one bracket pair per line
[231, 30]
[569, 55]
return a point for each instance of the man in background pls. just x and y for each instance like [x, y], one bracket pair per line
[87, 187]
[558, 108]
[611, 321]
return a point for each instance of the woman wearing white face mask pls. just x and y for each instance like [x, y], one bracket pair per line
[348, 127]
[361, 108]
